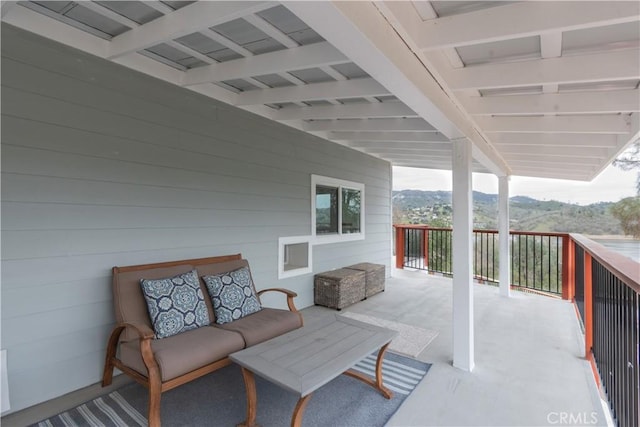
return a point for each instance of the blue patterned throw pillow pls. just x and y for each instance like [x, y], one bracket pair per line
[176, 304]
[232, 295]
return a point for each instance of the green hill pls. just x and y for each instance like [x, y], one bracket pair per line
[526, 214]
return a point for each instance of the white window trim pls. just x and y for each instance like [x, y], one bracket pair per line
[283, 243]
[339, 183]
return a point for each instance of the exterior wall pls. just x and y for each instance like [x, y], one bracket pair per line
[103, 166]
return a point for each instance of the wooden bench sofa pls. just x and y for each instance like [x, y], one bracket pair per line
[161, 364]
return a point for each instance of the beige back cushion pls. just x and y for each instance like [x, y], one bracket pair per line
[128, 300]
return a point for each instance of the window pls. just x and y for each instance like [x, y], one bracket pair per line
[337, 209]
[294, 256]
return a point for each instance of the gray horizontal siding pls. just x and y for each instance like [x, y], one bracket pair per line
[103, 166]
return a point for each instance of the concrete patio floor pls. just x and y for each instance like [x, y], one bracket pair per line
[529, 349]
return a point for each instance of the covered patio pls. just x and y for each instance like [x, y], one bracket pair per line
[146, 131]
[530, 369]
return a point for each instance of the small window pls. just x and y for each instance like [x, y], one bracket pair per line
[294, 256]
[338, 209]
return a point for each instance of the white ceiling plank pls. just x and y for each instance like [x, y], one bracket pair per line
[598, 102]
[308, 56]
[347, 111]
[187, 20]
[600, 124]
[607, 66]
[522, 19]
[582, 166]
[53, 29]
[387, 136]
[542, 141]
[573, 176]
[356, 88]
[554, 140]
[108, 13]
[526, 150]
[371, 125]
[403, 17]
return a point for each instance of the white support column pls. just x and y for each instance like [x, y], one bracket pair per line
[503, 233]
[463, 336]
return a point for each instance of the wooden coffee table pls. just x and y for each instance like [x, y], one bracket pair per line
[304, 360]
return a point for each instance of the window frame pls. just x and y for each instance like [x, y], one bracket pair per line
[319, 180]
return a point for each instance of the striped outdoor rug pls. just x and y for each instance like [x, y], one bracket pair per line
[218, 399]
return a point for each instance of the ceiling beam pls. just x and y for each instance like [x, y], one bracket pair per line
[361, 32]
[541, 158]
[600, 124]
[560, 174]
[187, 20]
[108, 13]
[409, 145]
[370, 125]
[346, 111]
[159, 6]
[523, 19]
[53, 29]
[387, 136]
[596, 67]
[356, 88]
[402, 17]
[510, 151]
[598, 102]
[309, 56]
[444, 153]
[553, 140]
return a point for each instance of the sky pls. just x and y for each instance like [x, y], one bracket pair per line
[611, 185]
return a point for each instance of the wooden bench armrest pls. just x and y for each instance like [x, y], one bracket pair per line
[144, 331]
[290, 296]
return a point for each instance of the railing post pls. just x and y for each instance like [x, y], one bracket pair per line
[425, 235]
[399, 247]
[588, 305]
[568, 268]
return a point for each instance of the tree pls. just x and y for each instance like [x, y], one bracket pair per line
[627, 211]
[630, 160]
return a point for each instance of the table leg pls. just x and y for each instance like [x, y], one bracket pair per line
[377, 384]
[298, 413]
[252, 399]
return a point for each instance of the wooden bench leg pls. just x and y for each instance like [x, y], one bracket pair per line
[155, 392]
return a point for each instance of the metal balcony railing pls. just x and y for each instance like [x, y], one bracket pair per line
[603, 285]
[536, 258]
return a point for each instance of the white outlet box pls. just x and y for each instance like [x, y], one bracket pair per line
[4, 391]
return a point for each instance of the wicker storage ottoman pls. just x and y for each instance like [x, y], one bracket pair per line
[339, 288]
[374, 277]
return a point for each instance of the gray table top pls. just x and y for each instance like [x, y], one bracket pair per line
[304, 360]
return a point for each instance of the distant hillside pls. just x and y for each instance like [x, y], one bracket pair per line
[526, 214]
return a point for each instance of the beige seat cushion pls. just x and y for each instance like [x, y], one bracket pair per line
[184, 352]
[263, 325]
